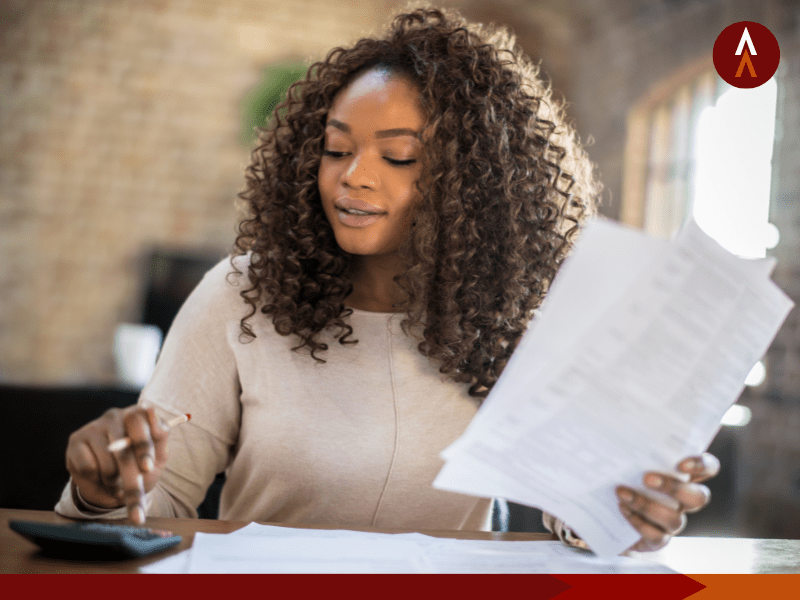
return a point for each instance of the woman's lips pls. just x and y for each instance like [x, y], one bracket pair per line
[351, 220]
[357, 220]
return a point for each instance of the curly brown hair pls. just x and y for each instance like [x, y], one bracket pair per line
[505, 185]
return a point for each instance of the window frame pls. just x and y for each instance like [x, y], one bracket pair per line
[637, 163]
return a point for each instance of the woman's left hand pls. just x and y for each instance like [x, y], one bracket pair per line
[658, 522]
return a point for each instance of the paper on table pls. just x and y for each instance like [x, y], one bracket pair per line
[177, 563]
[473, 556]
[639, 350]
[269, 549]
[219, 553]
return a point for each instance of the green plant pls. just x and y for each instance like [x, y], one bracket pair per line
[260, 102]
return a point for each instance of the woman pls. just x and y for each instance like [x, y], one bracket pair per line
[408, 208]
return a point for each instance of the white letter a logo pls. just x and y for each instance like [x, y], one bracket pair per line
[746, 40]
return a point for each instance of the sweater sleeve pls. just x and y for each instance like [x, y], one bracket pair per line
[196, 373]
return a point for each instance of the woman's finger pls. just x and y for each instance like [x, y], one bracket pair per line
[133, 460]
[81, 461]
[98, 442]
[653, 537]
[669, 519]
[700, 468]
[690, 496]
[137, 428]
[159, 430]
[132, 484]
[87, 457]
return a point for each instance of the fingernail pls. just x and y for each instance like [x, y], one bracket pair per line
[147, 464]
[140, 482]
[693, 464]
[137, 514]
[654, 481]
[624, 495]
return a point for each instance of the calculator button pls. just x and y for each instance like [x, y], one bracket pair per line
[102, 527]
[161, 533]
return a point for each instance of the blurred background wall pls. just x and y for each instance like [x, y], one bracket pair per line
[120, 135]
[120, 132]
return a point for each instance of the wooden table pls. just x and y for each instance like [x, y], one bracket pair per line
[683, 554]
[18, 555]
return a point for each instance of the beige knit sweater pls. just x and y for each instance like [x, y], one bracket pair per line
[352, 442]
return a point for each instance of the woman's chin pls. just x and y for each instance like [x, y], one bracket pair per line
[360, 247]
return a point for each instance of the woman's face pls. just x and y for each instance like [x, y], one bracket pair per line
[370, 163]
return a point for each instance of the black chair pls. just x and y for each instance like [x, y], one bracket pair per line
[35, 425]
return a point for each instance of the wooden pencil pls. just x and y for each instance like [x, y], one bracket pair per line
[125, 442]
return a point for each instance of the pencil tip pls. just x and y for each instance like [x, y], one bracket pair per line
[188, 417]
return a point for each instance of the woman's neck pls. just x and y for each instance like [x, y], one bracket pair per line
[374, 288]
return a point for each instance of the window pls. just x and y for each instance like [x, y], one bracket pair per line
[697, 146]
[730, 199]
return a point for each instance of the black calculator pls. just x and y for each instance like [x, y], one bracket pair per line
[95, 541]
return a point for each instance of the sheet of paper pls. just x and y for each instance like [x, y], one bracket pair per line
[269, 549]
[460, 556]
[262, 531]
[217, 553]
[640, 349]
[177, 563]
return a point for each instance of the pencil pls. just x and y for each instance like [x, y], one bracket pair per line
[123, 443]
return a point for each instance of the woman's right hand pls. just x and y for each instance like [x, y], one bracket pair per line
[113, 479]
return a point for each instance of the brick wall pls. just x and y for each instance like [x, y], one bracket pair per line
[118, 133]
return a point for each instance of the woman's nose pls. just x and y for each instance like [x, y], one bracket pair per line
[361, 174]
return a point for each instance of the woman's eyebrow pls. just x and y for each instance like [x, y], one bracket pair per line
[384, 133]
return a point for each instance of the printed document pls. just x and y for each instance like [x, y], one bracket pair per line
[640, 348]
[258, 548]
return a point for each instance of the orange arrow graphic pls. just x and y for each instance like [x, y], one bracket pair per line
[746, 61]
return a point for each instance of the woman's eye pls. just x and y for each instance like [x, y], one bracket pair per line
[334, 153]
[401, 163]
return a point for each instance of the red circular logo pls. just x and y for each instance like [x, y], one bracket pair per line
[746, 54]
